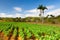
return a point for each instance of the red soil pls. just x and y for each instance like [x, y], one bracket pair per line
[3, 37]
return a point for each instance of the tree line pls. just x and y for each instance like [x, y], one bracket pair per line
[47, 19]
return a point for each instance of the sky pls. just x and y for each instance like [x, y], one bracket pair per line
[28, 8]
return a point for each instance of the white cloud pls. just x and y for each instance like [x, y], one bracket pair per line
[11, 15]
[55, 12]
[19, 15]
[32, 10]
[32, 13]
[18, 9]
[51, 7]
[5, 15]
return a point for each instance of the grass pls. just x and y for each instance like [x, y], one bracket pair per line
[28, 30]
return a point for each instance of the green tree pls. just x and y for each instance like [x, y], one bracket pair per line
[42, 8]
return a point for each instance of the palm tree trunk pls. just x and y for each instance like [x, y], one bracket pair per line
[43, 16]
[42, 13]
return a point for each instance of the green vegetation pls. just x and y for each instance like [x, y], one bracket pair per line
[30, 31]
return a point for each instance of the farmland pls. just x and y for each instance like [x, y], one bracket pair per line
[28, 31]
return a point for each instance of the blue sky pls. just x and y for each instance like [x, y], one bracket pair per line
[12, 8]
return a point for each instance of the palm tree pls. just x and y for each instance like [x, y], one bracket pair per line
[42, 8]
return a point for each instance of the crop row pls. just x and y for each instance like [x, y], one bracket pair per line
[30, 31]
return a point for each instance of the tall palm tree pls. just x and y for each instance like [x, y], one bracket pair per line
[42, 8]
